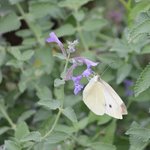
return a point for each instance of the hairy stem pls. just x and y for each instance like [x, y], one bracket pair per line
[5, 114]
[28, 22]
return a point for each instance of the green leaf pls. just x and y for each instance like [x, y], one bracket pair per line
[15, 52]
[21, 130]
[53, 104]
[73, 4]
[46, 8]
[79, 15]
[1, 77]
[9, 23]
[3, 130]
[143, 6]
[56, 137]
[32, 136]
[14, 1]
[139, 136]
[64, 30]
[103, 146]
[143, 82]
[58, 82]
[123, 72]
[94, 24]
[44, 60]
[146, 50]
[139, 29]
[44, 93]
[2, 55]
[26, 115]
[70, 114]
[11, 145]
[27, 55]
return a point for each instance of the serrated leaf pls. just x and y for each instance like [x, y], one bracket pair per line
[26, 115]
[70, 114]
[123, 72]
[51, 104]
[94, 24]
[143, 6]
[44, 93]
[139, 136]
[143, 82]
[32, 136]
[73, 4]
[9, 23]
[46, 8]
[11, 145]
[21, 130]
[64, 30]
[4, 129]
[15, 52]
[58, 82]
[27, 55]
[56, 137]
[141, 28]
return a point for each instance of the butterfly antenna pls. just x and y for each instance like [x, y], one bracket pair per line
[108, 66]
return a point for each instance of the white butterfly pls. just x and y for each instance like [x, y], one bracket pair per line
[101, 99]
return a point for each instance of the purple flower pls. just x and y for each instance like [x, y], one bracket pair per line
[86, 61]
[54, 38]
[128, 83]
[77, 85]
[87, 72]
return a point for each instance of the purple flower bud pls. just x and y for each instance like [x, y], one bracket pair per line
[54, 38]
[77, 85]
[128, 83]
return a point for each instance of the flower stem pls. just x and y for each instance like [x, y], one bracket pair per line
[28, 22]
[79, 29]
[5, 114]
[54, 124]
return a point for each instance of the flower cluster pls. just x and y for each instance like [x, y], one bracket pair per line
[128, 83]
[76, 61]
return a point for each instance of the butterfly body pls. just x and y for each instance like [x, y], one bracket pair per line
[101, 99]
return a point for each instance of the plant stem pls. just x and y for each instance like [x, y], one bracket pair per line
[61, 108]
[28, 22]
[7, 118]
[79, 29]
[54, 124]
[66, 64]
[125, 4]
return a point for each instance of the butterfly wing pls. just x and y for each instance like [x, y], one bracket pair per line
[114, 106]
[93, 97]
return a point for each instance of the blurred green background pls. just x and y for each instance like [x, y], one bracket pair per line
[115, 33]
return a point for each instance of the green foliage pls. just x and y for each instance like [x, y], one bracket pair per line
[142, 82]
[139, 136]
[38, 110]
[9, 22]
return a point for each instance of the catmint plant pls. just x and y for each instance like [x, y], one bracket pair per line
[75, 62]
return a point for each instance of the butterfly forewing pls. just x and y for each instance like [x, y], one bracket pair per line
[93, 97]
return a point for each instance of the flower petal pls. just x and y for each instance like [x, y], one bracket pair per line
[87, 72]
[54, 38]
[86, 61]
